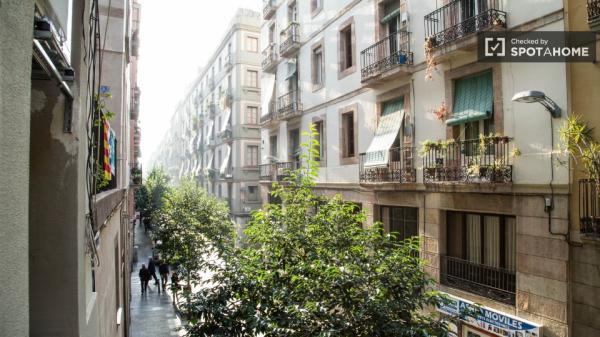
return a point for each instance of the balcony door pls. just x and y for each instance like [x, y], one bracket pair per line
[294, 145]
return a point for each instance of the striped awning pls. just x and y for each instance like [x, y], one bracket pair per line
[392, 15]
[473, 99]
[389, 126]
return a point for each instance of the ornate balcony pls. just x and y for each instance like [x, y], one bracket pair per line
[277, 171]
[484, 160]
[289, 105]
[589, 207]
[269, 58]
[496, 283]
[226, 135]
[400, 168]
[461, 18]
[593, 11]
[388, 57]
[227, 174]
[269, 8]
[290, 40]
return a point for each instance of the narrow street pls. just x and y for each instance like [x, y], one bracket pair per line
[152, 314]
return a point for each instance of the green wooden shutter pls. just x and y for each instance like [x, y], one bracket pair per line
[473, 99]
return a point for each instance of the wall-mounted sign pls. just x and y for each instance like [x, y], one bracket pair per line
[490, 320]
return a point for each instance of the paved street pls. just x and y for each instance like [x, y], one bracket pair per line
[152, 315]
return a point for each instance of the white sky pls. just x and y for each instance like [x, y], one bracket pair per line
[177, 37]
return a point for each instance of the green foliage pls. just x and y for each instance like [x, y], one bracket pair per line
[192, 228]
[578, 141]
[307, 267]
[157, 184]
[142, 198]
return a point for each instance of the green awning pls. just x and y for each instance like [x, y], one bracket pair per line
[391, 16]
[393, 106]
[473, 99]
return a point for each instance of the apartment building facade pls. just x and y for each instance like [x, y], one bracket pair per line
[428, 141]
[214, 134]
[67, 244]
[584, 81]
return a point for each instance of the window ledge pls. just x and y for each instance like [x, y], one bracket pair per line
[346, 72]
[317, 87]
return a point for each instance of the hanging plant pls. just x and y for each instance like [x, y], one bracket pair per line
[441, 112]
[431, 64]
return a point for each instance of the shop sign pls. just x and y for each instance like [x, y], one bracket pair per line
[490, 320]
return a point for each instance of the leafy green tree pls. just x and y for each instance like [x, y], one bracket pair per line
[308, 267]
[157, 184]
[193, 228]
[142, 198]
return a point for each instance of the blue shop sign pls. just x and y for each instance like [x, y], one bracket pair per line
[490, 320]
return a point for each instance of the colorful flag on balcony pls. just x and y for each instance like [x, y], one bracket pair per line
[106, 150]
[113, 152]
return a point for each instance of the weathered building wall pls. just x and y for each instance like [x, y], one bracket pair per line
[15, 71]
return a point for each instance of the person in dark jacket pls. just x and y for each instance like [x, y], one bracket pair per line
[174, 286]
[163, 270]
[152, 270]
[144, 278]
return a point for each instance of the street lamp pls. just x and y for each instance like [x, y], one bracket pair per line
[533, 96]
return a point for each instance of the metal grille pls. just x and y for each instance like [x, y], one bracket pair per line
[474, 161]
[289, 105]
[593, 9]
[460, 18]
[400, 168]
[496, 283]
[387, 53]
[589, 207]
[290, 38]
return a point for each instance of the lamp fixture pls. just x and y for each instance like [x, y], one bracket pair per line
[533, 96]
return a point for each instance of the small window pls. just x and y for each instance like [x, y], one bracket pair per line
[346, 48]
[252, 44]
[315, 5]
[348, 146]
[251, 115]
[252, 78]
[273, 144]
[252, 194]
[317, 66]
[403, 221]
[252, 155]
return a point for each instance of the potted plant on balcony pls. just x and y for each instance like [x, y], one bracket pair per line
[136, 176]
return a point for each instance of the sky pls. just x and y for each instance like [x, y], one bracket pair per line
[177, 38]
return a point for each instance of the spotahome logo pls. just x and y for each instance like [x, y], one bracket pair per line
[517, 46]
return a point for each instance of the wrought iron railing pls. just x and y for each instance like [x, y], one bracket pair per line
[399, 169]
[289, 105]
[226, 134]
[460, 18]
[593, 10]
[589, 207]
[496, 283]
[277, 171]
[387, 53]
[212, 109]
[290, 38]
[269, 57]
[269, 7]
[485, 160]
[227, 173]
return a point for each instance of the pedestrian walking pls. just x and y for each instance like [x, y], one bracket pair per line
[163, 270]
[174, 286]
[144, 278]
[152, 270]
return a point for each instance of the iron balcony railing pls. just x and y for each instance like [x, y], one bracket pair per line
[290, 38]
[387, 53]
[485, 160]
[277, 171]
[269, 7]
[227, 173]
[212, 109]
[400, 168]
[589, 207]
[593, 10]
[270, 116]
[496, 283]
[460, 18]
[269, 57]
[289, 105]
[226, 134]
